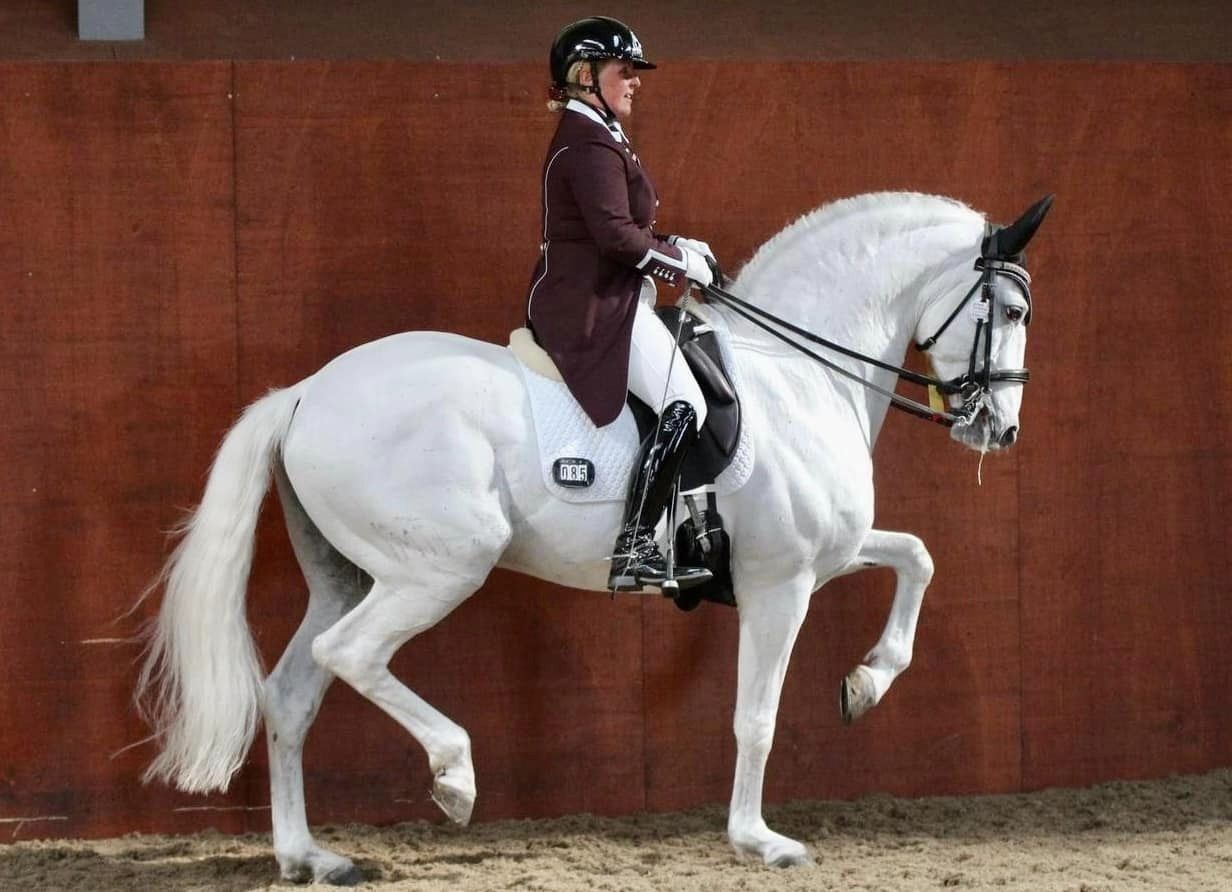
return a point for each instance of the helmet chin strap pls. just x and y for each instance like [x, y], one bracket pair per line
[594, 88]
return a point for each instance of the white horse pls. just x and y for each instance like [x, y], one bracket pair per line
[408, 468]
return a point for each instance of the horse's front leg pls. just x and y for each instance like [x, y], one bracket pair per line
[865, 685]
[769, 623]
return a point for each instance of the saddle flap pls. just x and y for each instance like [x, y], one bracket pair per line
[565, 433]
[720, 436]
[709, 374]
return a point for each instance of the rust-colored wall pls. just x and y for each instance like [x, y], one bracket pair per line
[177, 238]
[516, 31]
[118, 369]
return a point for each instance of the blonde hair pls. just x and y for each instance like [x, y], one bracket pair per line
[572, 85]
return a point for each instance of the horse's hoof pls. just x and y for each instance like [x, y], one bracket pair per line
[857, 694]
[456, 798]
[298, 874]
[787, 859]
[774, 849]
[343, 875]
[321, 866]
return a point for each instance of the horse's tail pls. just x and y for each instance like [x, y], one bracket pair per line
[200, 684]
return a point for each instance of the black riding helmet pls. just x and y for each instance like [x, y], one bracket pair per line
[593, 40]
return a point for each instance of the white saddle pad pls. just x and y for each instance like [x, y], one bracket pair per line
[565, 431]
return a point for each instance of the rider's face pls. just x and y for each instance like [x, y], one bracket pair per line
[618, 81]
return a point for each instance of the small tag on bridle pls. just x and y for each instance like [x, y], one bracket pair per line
[576, 473]
[979, 310]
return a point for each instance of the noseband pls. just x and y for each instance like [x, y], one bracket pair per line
[974, 386]
[977, 383]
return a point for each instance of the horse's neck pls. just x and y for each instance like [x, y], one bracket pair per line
[864, 291]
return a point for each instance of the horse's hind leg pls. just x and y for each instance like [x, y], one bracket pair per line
[293, 694]
[359, 647]
[865, 685]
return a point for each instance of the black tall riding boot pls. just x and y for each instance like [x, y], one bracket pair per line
[636, 560]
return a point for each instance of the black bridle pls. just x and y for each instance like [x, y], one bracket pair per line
[974, 386]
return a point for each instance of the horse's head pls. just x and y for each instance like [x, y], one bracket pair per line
[978, 337]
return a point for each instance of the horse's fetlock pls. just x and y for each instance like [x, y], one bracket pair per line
[453, 751]
[744, 829]
[892, 660]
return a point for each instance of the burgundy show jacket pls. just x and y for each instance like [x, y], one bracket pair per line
[598, 243]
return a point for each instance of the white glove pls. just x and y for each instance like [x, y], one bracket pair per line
[695, 244]
[695, 266]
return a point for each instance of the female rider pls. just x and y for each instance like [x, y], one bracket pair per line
[598, 256]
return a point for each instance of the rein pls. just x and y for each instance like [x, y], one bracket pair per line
[974, 386]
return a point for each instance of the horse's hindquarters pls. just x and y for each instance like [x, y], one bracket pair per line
[393, 453]
[420, 450]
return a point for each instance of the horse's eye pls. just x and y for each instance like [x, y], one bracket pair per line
[1014, 314]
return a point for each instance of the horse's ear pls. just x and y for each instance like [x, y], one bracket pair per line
[1011, 240]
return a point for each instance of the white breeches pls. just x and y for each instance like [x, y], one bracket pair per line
[651, 357]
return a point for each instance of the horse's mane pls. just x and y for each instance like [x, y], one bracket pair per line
[881, 214]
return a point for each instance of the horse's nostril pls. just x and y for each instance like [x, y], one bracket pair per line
[1009, 436]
